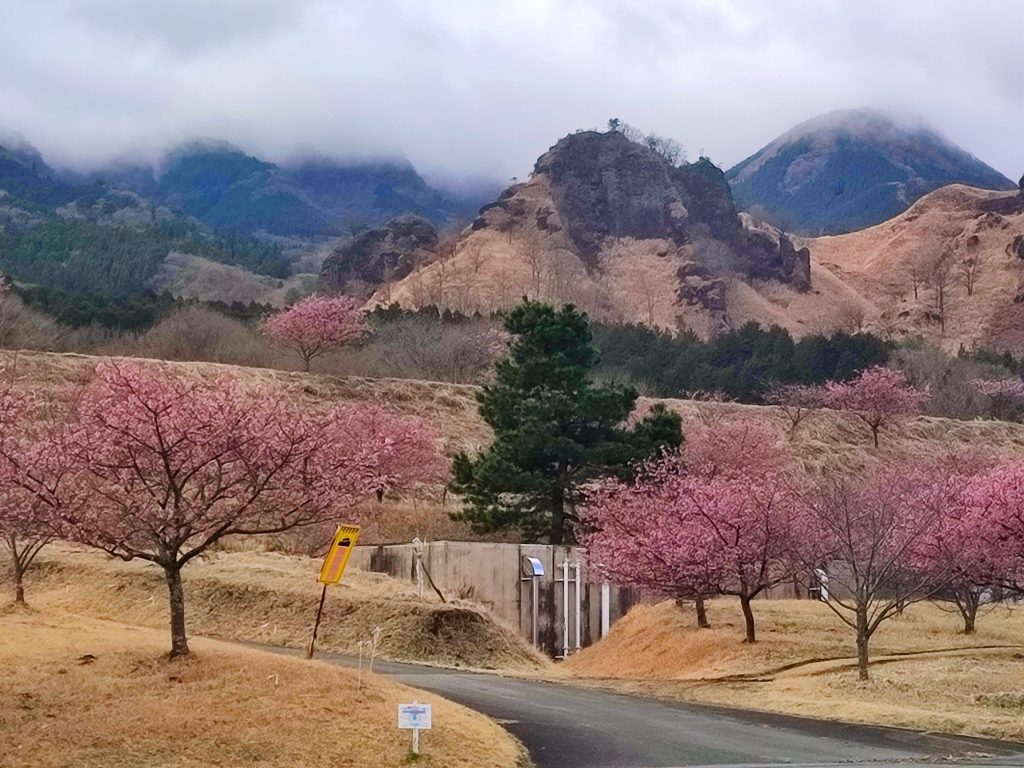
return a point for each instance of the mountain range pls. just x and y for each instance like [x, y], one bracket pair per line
[606, 220]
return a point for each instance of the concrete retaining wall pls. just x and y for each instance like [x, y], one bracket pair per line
[492, 574]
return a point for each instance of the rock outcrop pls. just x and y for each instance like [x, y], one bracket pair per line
[380, 254]
[605, 186]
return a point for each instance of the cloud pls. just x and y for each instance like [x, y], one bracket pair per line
[482, 88]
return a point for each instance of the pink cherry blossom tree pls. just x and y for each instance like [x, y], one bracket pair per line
[863, 530]
[796, 401]
[879, 397]
[317, 325]
[715, 520]
[992, 509]
[1005, 396]
[163, 468]
[28, 474]
[957, 559]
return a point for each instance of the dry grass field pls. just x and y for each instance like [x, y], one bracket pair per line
[271, 598]
[925, 674]
[93, 694]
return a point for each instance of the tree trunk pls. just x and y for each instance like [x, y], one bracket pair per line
[967, 603]
[748, 618]
[557, 535]
[179, 641]
[874, 434]
[862, 643]
[702, 614]
[19, 583]
[306, 360]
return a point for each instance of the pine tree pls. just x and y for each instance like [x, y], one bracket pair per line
[555, 430]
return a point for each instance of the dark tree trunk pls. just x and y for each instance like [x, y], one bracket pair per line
[19, 585]
[748, 618]
[179, 641]
[967, 603]
[862, 643]
[702, 614]
[874, 434]
[17, 570]
[557, 535]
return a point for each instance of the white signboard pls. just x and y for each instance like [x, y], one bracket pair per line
[414, 716]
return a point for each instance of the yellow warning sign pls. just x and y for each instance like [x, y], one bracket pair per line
[337, 557]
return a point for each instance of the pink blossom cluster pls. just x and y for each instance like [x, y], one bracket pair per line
[317, 325]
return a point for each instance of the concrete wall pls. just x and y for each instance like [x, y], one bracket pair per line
[492, 574]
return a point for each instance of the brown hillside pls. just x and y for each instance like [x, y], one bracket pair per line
[962, 224]
[825, 439]
[865, 280]
[611, 226]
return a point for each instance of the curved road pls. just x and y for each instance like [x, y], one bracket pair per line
[564, 726]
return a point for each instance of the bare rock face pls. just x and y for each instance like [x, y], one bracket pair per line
[606, 186]
[698, 288]
[376, 255]
[1016, 248]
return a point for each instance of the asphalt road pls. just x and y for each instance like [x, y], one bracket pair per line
[568, 727]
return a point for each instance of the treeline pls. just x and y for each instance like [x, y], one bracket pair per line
[135, 313]
[741, 364]
[119, 261]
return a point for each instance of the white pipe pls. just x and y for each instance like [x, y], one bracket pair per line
[606, 604]
[535, 591]
[565, 607]
[579, 637]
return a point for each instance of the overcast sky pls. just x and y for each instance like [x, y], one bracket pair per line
[482, 88]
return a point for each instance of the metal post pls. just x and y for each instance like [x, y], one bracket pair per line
[316, 624]
[606, 604]
[565, 607]
[534, 599]
[418, 546]
[579, 635]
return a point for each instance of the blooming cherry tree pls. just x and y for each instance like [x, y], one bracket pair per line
[796, 401]
[715, 520]
[317, 325]
[29, 473]
[879, 397]
[864, 531]
[1005, 396]
[163, 468]
[992, 510]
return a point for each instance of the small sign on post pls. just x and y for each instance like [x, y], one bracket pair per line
[334, 566]
[414, 717]
[337, 556]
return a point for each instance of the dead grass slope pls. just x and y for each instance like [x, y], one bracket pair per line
[926, 675]
[90, 694]
[827, 438]
[272, 598]
[877, 263]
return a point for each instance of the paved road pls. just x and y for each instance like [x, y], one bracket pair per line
[568, 727]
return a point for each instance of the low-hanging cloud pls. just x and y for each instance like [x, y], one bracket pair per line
[481, 88]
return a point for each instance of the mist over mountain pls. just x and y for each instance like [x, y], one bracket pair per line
[851, 169]
[230, 190]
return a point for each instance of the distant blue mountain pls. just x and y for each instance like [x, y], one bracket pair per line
[852, 169]
[232, 191]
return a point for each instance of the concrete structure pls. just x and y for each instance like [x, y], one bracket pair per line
[493, 575]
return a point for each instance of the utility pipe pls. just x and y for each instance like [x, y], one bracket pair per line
[579, 635]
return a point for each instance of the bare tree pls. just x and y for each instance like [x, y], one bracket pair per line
[939, 279]
[969, 268]
[851, 316]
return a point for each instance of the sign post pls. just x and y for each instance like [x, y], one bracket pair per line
[330, 572]
[414, 717]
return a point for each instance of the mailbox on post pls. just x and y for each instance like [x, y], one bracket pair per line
[533, 569]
